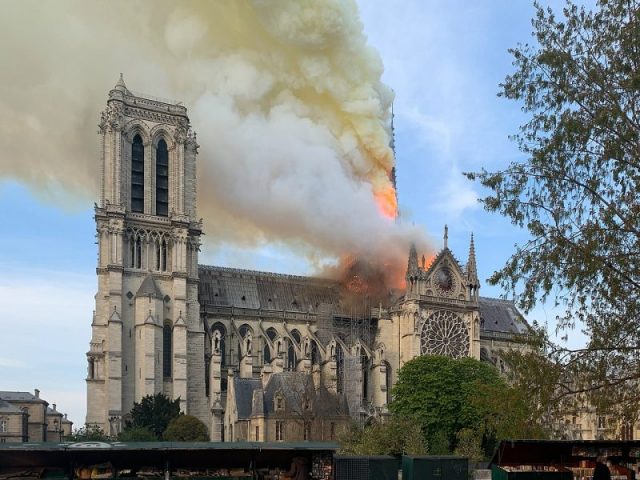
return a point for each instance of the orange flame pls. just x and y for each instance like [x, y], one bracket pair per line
[387, 201]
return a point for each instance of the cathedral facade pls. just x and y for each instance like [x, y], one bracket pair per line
[254, 355]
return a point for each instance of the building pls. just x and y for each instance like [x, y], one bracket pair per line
[225, 341]
[25, 417]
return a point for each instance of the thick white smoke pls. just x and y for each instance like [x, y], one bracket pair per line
[286, 97]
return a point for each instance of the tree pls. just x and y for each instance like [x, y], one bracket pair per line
[445, 395]
[137, 434]
[186, 428]
[88, 433]
[395, 435]
[154, 412]
[577, 191]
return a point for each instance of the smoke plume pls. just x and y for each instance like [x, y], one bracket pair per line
[286, 97]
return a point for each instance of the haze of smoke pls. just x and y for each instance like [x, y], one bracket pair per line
[286, 98]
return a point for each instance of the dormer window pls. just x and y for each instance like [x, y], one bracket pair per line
[278, 403]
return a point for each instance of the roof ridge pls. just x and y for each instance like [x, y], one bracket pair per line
[265, 273]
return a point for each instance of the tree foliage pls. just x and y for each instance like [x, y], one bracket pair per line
[445, 396]
[88, 433]
[137, 434]
[395, 435]
[186, 428]
[154, 412]
[577, 190]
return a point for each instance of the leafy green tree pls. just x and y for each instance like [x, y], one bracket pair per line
[394, 435]
[154, 412]
[137, 434]
[469, 444]
[446, 395]
[186, 428]
[88, 433]
[577, 191]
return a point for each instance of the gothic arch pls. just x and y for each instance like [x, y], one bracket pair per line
[167, 348]
[219, 332]
[161, 132]
[137, 127]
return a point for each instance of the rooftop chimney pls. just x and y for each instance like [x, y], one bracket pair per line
[54, 407]
[36, 392]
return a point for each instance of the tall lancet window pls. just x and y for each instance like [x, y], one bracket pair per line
[137, 175]
[166, 351]
[162, 179]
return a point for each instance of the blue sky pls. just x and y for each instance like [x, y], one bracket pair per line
[444, 60]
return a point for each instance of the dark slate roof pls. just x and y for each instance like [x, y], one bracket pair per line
[220, 286]
[294, 385]
[6, 407]
[498, 315]
[51, 411]
[244, 388]
[20, 397]
[149, 287]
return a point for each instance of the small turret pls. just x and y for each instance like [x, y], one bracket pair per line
[412, 267]
[472, 271]
[121, 85]
[413, 270]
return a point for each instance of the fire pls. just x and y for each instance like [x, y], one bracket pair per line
[387, 201]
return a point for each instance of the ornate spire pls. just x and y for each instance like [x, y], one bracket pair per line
[121, 85]
[472, 269]
[446, 237]
[413, 268]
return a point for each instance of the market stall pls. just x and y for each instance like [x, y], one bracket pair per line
[163, 460]
[565, 459]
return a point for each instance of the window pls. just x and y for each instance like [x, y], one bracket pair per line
[292, 361]
[162, 179]
[137, 175]
[315, 355]
[339, 369]
[161, 255]
[332, 434]
[279, 403]
[279, 431]
[271, 333]
[387, 379]
[296, 335]
[602, 422]
[364, 364]
[166, 351]
[266, 355]
[307, 430]
[257, 434]
[3, 426]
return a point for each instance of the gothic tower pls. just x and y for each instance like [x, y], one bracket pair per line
[147, 336]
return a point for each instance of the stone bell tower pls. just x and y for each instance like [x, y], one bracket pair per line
[147, 336]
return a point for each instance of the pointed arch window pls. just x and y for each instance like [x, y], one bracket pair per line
[339, 369]
[266, 355]
[291, 356]
[364, 364]
[137, 175]
[162, 179]
[387, 380]
[315, 354]
[166, 350]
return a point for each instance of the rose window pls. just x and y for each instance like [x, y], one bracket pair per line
[444, 333]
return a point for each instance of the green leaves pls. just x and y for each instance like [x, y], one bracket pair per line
[578, 191]
[154, 412]
[446, 395]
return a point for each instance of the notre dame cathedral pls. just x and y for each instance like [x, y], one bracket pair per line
[255, 355]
